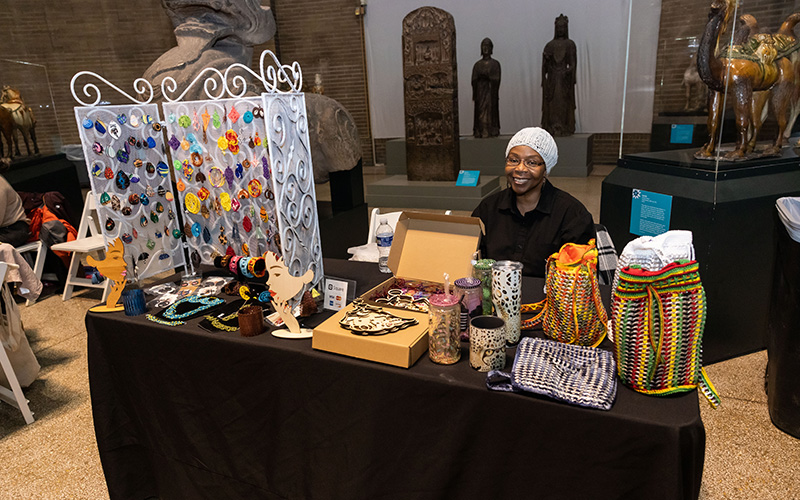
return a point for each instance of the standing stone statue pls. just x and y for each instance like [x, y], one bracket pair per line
[558, 81]
[430, 93]
[485, 93]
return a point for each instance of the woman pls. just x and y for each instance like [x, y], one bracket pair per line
[531, 219]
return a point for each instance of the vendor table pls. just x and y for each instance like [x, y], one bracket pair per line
[182, 413]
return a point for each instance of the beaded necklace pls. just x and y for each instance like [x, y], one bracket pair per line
[172, 318]
[219, 323]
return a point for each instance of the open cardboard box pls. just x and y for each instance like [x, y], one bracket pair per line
[425, 246]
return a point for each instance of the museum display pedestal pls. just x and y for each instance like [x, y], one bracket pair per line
[398, 191]
[731, 215]
[486, 155]
[343, 221]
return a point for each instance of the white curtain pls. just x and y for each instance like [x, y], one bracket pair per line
[520, 29]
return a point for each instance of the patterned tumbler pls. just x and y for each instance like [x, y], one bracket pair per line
[444, 345]
[506, 295]
[469, 292]
[482, 269]
[133, 302]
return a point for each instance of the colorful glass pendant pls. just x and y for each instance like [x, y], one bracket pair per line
[97, 170]
[204, 211]
[133, 199]
[242, 194]
[87, 123]
[196, 229]
[134, 121]
[143, 256]
[104, 199]
[110, 152]
[233, 115]
[153, 216]
[159, 207]
[110, 224]
[108, 173]
[185, 144]
[247, 224]
[257, 140]
[150, 244]
[115, 203]
[235, 205]
[151, 143]
[135, 233]
[162, 169]
[217, 205]
[122, 180]
[100, 127]
[264, 215]
[157, 127]
[215, 119]
[97, 148]
[245, 249]
[123, 156]
[206, 235]
[247, 117]
[127, 238]
[174, 143]
[180, 185]
[143, 221]
[223, 240]
[137, 163]
[126, 210]
[171, 214]
[239, 170]
[134, 179]
[114, 130]
[147, 119]
[203, 193]
[158, 234]
[144, 199]
[150, 168]
[200, 177]
[149, 191]
[187, 228]
[122, 119]
[161, 191]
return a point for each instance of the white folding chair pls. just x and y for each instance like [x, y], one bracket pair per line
[38, 261]
[90, 239]
[15, 397]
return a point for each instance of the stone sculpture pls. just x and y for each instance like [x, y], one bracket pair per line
[210, 33]
[558, 81]
[485, 93]
[430, 95]
[757, 67]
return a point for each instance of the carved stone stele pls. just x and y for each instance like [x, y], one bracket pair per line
[431, 95]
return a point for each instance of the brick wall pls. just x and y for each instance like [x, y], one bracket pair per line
[325, 37]
[116, 40]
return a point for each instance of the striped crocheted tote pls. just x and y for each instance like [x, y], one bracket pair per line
[657, 320]
[573, 311]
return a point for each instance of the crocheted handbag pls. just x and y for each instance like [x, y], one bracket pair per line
[658, 319]
[572, 311]
[578, 375]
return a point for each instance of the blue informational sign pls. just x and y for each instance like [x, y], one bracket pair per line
[650, 213]
[681, 134]
[468, 177]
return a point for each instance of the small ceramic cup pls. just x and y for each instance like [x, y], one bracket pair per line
[251, 321]
[487, 343]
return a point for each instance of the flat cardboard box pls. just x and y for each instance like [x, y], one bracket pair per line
[401, 348]
[425, 246]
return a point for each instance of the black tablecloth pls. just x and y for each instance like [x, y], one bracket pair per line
[182, 413]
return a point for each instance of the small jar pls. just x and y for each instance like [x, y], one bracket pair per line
[469, 293]
[482, 269]
[444, 346]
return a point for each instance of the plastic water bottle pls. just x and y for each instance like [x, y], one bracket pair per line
[384, 235]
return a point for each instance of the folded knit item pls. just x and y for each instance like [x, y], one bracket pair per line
[579, 375]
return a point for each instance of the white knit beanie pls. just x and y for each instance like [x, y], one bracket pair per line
[540, 141]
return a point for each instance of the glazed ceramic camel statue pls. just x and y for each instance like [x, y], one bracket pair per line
[756, 62]
[23, 117]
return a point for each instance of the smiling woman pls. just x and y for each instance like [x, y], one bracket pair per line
[532, 218]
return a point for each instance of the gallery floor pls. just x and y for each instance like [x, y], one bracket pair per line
[56, 457]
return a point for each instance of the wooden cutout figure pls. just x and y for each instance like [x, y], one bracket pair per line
[113, 267]
[284, 287]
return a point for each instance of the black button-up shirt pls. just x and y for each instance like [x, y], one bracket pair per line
[531, 238]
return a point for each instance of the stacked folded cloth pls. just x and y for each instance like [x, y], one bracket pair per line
[789, 212]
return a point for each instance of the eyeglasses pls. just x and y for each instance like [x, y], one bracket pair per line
[513, 161]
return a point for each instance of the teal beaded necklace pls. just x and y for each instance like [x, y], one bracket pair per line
[173, 318]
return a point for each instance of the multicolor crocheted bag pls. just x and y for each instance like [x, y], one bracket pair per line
[658, 319]
[572, 312]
